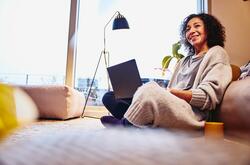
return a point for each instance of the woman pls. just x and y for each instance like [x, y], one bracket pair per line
[196, 87]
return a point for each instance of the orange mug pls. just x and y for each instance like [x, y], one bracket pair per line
[214, 130]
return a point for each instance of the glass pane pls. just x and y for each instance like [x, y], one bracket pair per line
[154, 27]
[33, 42]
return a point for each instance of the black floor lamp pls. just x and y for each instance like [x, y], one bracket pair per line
[119, 22]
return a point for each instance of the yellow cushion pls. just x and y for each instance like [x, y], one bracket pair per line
[236, 72]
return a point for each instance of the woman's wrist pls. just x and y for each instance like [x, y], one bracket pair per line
[183, 94]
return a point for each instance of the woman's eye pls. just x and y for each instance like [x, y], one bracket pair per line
[187, 29]
[196, 26]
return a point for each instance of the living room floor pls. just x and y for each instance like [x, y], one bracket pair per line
[43, 127]
[86, 141]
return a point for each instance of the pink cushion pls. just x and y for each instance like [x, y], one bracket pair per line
[56, 101]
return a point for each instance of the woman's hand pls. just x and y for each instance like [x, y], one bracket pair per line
[183, 94]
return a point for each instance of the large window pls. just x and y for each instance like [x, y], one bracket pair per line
[33, 41]
[154, 27]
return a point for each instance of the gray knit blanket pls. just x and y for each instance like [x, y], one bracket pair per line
[155, 106]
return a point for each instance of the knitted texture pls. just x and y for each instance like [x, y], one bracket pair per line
[155, 105]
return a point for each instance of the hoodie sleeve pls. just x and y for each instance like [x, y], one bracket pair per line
[214, 79]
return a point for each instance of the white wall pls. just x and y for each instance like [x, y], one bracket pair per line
[235, 16]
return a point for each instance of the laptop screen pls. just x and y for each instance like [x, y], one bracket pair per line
[125, 79]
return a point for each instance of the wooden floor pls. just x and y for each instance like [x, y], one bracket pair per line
[95, 111]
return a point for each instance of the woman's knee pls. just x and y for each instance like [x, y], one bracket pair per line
[107, 97]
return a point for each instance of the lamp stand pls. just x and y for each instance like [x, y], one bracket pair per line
[105, 55]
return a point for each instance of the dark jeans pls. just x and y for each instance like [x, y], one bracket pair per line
[117, 107]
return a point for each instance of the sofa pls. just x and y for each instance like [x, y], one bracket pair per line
[234, 111]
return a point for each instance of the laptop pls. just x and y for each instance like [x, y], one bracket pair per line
[125, 79]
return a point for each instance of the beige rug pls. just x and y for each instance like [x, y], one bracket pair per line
[85, 141]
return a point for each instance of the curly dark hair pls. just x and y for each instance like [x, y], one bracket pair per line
[214, 29]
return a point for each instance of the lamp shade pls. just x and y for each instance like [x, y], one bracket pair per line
[120, 22]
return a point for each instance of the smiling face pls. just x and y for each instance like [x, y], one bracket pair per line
[196, 35]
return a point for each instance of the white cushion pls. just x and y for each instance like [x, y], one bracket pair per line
[56, 101]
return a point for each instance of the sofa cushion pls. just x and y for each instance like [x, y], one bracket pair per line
[56, 101]
[235, 108]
